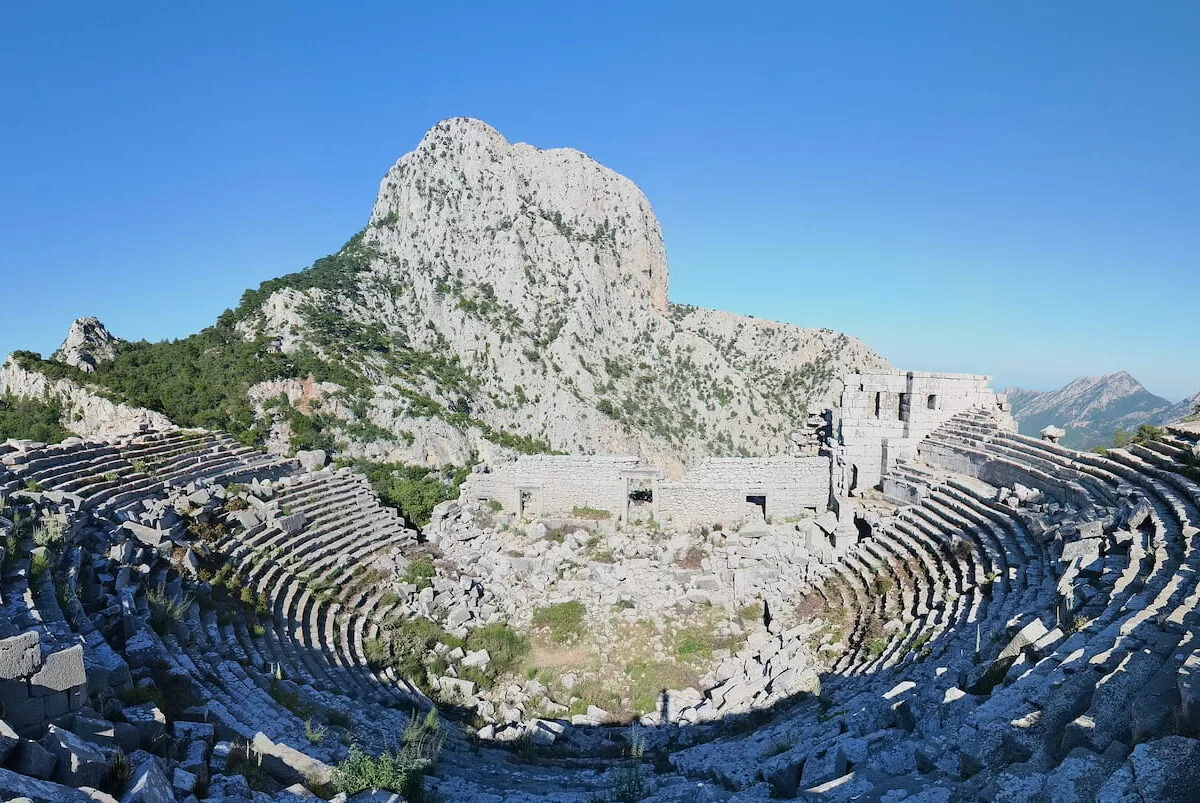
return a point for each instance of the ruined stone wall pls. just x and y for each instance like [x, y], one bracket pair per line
[715, 491]
[555, 484]
[885, 415]
[36, 688]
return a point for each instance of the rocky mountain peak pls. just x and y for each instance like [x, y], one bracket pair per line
[468, 206]
[87, 344]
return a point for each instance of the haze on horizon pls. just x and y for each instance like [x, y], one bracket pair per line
[1004, 191]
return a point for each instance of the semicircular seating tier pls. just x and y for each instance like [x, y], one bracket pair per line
[1021, 622]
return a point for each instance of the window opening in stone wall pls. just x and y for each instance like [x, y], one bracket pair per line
[878, 403]
[853, 478]
[761, 501]
[932, 402]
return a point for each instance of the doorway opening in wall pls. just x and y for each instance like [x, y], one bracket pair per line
[640, 506]
[853, 479]
[864, 529]
[878, 403]
[526, 498]
[761, 501]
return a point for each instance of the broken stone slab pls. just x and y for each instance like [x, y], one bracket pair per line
[150, 536]
[20, 655]
[8, 740]
[289, 765]
[312, 459]
[291, 524]
[194, 731]
[149, 782]
[16, 786]
[79, 763]
[99, 732]
[61, 671]
[31, 759]
[150, 721]
[476, 659]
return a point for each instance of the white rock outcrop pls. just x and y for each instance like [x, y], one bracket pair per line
[87, 343]
[84, 412]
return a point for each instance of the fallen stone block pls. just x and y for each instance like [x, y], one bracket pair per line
[148, 783]
[20, 655]
[61, 671]
[287, 764]
[32, 759]
[79, 763]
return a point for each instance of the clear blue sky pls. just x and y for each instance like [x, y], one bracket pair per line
[1005, 188]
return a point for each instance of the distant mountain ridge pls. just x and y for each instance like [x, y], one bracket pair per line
[1092, 408]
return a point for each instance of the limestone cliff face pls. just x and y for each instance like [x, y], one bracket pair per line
[84, 412]
[542, 275]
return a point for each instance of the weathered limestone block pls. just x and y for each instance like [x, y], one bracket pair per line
[151, 723]
[20, 655]
[313, 460]
[1189, 689]
[8, 740]
[1163, 770]
[149, 783]
[34, 760]
[61, 671]
[17, 786]
[288, 764]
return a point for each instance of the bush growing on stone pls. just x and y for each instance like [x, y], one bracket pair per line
[165, 610]
[413, 490]
[507, 649]
[402, 771]
[564, 620]
[39, 562]
[48, 533]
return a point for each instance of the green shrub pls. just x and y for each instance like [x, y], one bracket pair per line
[564, 620]
[875, 647]
[413, 490]
[39, 563]
[507, 648]
[165, 610]
[402, 771]
[32, 419]
[48, 533]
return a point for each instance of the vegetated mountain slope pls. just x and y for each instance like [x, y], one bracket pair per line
[1093, 408]
[527, 289]
[501, 296]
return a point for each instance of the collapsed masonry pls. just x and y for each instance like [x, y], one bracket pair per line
[837, 454]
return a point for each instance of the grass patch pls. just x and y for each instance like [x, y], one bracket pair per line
[590, 513]
[563, 620]
[419, 571]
